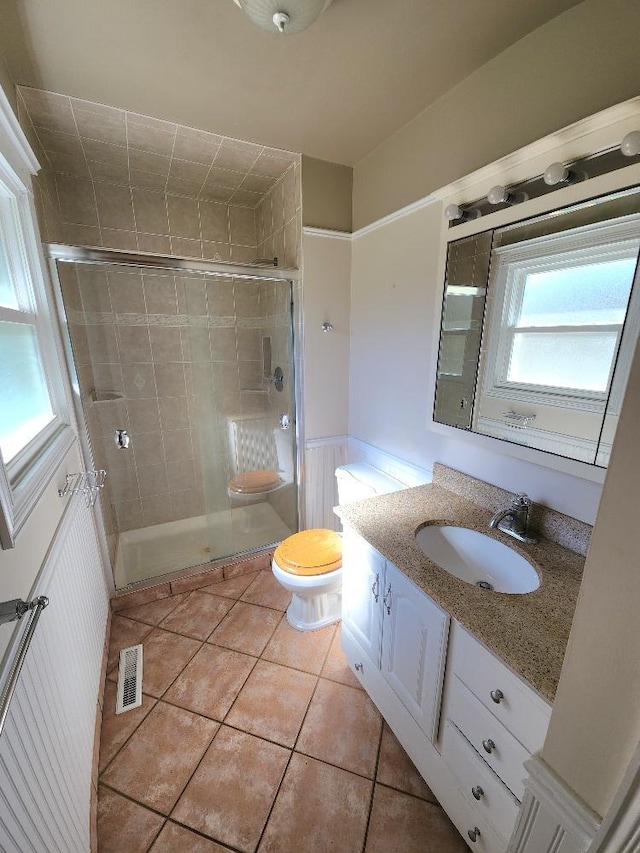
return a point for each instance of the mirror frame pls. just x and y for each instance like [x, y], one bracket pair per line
[568, 195]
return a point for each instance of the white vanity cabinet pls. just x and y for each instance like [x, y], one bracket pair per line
[400, 632]
[470, 752]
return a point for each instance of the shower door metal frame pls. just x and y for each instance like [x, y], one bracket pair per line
[56, 252]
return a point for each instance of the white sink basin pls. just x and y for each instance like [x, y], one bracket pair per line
[477, 559]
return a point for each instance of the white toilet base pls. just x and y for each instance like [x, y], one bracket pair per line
[309, 613]
[316, 601]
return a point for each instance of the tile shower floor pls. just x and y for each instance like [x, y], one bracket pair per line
[252, 736]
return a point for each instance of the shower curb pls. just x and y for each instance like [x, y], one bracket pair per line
[190, 579]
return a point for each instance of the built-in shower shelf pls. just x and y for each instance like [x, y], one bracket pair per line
[105, 396]
[87, 483]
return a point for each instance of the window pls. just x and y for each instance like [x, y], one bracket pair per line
[564, 307]
[34, 412]
[26, 409]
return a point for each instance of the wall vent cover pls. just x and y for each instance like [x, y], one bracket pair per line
[129, 693]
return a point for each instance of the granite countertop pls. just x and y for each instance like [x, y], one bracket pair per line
[528, 632]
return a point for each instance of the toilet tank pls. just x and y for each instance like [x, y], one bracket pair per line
[358, 481]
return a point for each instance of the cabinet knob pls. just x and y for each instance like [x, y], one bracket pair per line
[474, 834]
[477, 792]
[359, 667]
[488, 745]
[497, 696]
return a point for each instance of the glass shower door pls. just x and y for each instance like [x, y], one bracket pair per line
[184, 362]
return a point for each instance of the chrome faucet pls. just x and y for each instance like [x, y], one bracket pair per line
[514, 520]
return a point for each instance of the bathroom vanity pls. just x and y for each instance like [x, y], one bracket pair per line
[464, 676]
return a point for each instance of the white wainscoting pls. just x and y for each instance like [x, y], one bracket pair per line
[552, 819]
[321, 458]
[46, 751]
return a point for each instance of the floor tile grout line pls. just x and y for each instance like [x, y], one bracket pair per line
[157, 835]
[225, 846]
[240, 651]
[136, 619]
[125, 742]
[292, 750]
[182, 790]
[373, 787]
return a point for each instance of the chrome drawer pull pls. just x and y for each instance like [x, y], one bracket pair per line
[387, 600]
[488, 745]
[477, 792]
[496, 695]
[474, 834]
[359, 667]
[375, 589]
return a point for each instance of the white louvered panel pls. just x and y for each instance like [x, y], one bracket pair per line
[252, 444]
[46, 751]
[322, 457]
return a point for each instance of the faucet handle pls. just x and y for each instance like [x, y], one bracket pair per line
[521, 500]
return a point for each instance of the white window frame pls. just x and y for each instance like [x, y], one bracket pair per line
[589, 244]
[24, 479]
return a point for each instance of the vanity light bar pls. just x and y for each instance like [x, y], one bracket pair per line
[555, 175]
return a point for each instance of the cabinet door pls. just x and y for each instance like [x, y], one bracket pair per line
[362, 580]
[414, 645]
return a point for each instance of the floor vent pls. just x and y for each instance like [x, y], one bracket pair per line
[129, 679]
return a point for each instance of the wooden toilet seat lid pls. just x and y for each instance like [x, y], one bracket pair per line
[311, 552]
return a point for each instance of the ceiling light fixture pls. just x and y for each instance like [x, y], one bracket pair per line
[283, 16]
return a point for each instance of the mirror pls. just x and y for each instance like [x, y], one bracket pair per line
[539, 323]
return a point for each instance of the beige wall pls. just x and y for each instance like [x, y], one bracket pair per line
[595, 725]
[327, 190]
[572, 67]
[327, 270]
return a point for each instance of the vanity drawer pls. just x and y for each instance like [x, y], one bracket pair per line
[507, 754]
[493, 800]
[466, 819]
[522, 711]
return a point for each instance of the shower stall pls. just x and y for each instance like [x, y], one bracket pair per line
[185, 376]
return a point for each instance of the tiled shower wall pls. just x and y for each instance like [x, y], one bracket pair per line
[124, 181]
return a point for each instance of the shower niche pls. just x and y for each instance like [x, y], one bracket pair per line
[174, 374]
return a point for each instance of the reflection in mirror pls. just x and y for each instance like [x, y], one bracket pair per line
[560, 323]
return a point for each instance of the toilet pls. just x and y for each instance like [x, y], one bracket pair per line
[309, 564]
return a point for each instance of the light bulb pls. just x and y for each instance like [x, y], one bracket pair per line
[630, 146]
[556, 173]
[498, 195]
[453, 212]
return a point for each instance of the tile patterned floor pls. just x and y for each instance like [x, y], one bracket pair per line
[252, 737]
